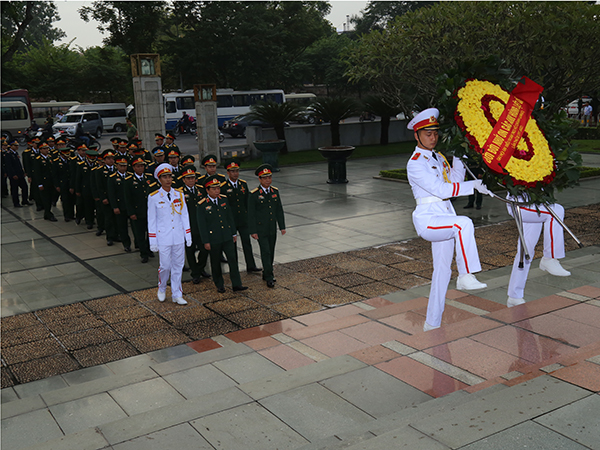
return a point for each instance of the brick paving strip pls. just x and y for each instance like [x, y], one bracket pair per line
[58, 340]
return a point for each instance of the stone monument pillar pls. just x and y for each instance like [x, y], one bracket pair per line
[207, 124]
[147, 92]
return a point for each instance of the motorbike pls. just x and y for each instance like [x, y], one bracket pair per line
[188, 126]
[365, 115]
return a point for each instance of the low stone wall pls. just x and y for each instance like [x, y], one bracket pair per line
[310, 137]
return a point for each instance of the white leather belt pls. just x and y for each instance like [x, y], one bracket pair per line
[424, 200]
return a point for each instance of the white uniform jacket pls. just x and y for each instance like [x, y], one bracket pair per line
[168, 220]
[431, 189]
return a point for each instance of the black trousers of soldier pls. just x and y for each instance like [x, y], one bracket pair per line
[215, 263]
[123, 229]
[46, 197]
[109, 223]
[197, 263]
[266, 242]
[68, 204]
[139, 227]
[244, 236]
[15, 185]
[87, 205]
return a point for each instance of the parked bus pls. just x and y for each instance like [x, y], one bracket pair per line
[230, 103]
[15, 120]
[41, 110]
[302, 99]
[113, 114]
[18, 95]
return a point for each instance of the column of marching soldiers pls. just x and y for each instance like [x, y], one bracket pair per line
[111, 189]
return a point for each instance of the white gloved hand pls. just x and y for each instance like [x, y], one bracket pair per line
[153, 248]
[188, 243]
[480, 187]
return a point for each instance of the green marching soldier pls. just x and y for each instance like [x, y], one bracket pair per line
[62, 180]
[137, 188]
[104, 216]
[217, 231]
[210, 165]
[237, 193]
[116, 197]
[83, 187]
[193, 194]
[173, 155]
[29, 156]
[265, 213]
[74, 168]
[43, 179]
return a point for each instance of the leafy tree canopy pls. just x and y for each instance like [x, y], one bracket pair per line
[553, 43]
[377, 14]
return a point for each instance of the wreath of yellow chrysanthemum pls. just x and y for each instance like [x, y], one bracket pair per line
[480, 105]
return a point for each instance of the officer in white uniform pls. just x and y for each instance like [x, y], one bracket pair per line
[554, 247]
[433, 182]
[168, 231]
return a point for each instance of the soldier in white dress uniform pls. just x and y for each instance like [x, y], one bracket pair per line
[554, 247]
[168, 231]
[433, 183]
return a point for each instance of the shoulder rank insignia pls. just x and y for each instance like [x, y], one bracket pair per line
[415, 156]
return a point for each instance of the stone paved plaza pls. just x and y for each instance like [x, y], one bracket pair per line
[334, 357]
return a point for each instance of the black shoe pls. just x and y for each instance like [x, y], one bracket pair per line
[99, 232]
[53, 219]
[90, 226]
[17, 206]
[110, 243]
[196, 280]
[468, 206]
[77, 221]
[221, 290]
[26, 204]
[205, 274]
[223, 260]
[39, 208]
[67, 219]
[151, 255]
[127, 249]
[271, 284]
[239, 288]
[478, 207]
[144, 260]
[254, 269]
[117, 240]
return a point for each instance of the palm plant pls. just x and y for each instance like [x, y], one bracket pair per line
[276, 115]
[334, 110]
[380, 106]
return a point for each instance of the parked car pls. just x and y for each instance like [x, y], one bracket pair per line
[91, 122]
[573, 110]
[236, 127]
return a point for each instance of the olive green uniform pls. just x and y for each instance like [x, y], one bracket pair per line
[197, 265]
[136, 202]
[62, 179]
[43, 178]
[116, 198]
[83, 189]
[217, 228]
[265, 213]
[238, 200]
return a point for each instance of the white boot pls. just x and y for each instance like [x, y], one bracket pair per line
[161, 296]
[468, 282]
[427, 327]
[179, 301]
[553, 267]
[514, 302]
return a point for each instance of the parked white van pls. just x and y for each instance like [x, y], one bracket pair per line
[15, 120]
[113, 114]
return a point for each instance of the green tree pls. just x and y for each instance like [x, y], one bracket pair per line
[276, 115]
[382, 107]
[243, 44]
[132, 26]
[106, 73]
[334, 110]
[553, 43]
[377, 14]
[325, 64]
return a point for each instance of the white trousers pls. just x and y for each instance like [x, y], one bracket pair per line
[554, 243]
[171, 262]
[448, 234]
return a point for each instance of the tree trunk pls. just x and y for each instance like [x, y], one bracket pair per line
[335, 133]
[19, 34]
[280, 132]
[385, 130]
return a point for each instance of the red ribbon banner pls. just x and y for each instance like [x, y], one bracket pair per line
[502, 142]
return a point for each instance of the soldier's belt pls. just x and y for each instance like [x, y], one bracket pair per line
[424, 200]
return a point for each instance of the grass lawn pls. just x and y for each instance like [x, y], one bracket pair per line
[588, 146]
[310, 156]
